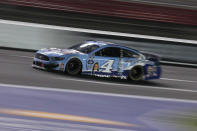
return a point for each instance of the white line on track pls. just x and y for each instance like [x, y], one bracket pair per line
[97, 31]
[49, 125]
[178, 80]
[28, 57]
[128, 85]
[178, 63]
[98, 93]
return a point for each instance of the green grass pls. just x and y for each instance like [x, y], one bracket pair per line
[185, 120]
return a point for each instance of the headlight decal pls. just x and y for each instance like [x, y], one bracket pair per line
[57, 58]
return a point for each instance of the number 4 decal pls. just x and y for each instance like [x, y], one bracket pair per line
[107, 66]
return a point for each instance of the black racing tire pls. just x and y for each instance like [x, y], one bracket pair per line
[136, 73]
[73, 66]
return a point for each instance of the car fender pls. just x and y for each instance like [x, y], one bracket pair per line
[71, 57]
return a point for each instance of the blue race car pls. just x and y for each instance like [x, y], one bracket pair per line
[102, 59]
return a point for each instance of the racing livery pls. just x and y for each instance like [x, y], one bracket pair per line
[102, 59]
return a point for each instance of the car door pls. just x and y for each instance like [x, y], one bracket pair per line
[106, 60]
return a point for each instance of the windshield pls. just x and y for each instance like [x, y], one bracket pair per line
[85, 47]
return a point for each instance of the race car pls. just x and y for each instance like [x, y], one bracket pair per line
[101, 59]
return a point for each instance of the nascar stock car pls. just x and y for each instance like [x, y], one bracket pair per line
[102, 59]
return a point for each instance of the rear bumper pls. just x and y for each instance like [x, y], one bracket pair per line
[152, 72]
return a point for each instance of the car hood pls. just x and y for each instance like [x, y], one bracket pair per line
[57, 51]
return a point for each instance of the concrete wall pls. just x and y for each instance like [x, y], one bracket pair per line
[35, 38]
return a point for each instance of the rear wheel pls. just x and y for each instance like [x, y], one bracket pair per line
[136, 73]
[74, 66]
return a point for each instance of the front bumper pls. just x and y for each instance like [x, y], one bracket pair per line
[44, 65]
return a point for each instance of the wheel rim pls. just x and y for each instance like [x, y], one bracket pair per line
[73, 66]
[136, 73]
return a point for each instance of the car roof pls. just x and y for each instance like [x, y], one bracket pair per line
[104, 43]
[99, 43]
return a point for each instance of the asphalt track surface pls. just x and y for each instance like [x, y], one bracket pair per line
[46, 109]
[176, 82]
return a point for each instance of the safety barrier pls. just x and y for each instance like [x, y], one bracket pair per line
[35, 36]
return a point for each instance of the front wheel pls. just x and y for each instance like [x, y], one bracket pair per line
[74, 66]
[136, 73]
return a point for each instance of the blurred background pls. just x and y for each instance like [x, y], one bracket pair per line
[167, 28]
